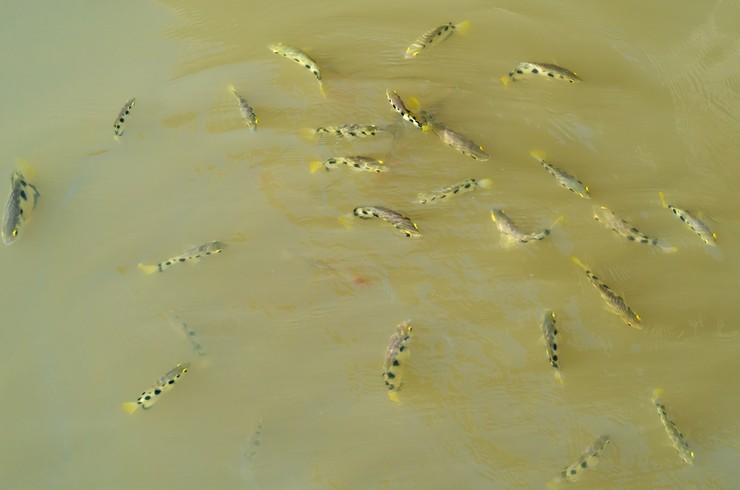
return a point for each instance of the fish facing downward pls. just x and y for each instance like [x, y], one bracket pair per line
[121, 119]
[697, 225]
[589, 459]
[400, 222]
[678, 440]
[299, 57]
[191, 255]
[564, 178]
[444, 194]
[247, 113]
[396, 355]
[399, 106]
[22, 200]
[358, 163]
[604, 215]
[434, 37]
[615, 302]
[162, 385]
[507, 227]
[540, 69]
[550, 332]
[455, 140]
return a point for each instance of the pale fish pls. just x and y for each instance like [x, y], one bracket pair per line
[299, 57]
[435, 36]
[698, 226]
[550, 332]
[162, 385]
[612, 299]
[22, 200]
[396, 356]
[350, 130]
[564, 178]
[121, 119]
[191, 255]
[540, 69]
[445, 193]
[247, 113]
[606, 216]
[399, 106]
[400, 222]
[250, 451]
[190, 334]
[507, 227]
[358, 163]
[589, 459]
[677, 439]
[455, 140]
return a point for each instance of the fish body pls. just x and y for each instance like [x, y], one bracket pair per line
[299, 57]
[697, 225]
[356, 163]
[445, 193]
[247, 113]
[190, 334]
[399, 106]
[396, 355]
[604, 215]
[588, 459]
[615, 302]
[154, 393]
[190, 255]
[350, 130]
[506, 226]
[23, 199]
[400, 222]
[541, 69]
[455, 140]
[434, 37]
[250, 451]
[564, 178]
[121, 119]
[678, 440]
[550, 332]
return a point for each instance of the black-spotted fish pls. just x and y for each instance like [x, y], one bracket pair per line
[612, 299]
[121, 119]
[606, 216]
[22, 200]
[396, 357]
[400, 222]
[191, 255]
[550, 333]
[589, 459]
[299, 57]
[507, 227]
[697, 225]
[455, 140]
[564, 178]
[540, 69]
[250, 451]
[435, 36]
[247, 113]
[350, 130]
[399, 106]
[190, 334]
[677, 439]
[153, 394]
[358, 163]
[444, 194]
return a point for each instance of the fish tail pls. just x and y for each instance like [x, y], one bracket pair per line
[493, 216]
[668, 249]
[393, 396]
[148, 269]
[578, 262]
[321, 89]
[463, 27]
[346, 221]
[505, 80]
[116, 138]
[315, 166]
[413, 104]
[558, 376]
[232, 88]
[130, 407]
[657, 393]
[538, 155]
[308, 134]
[26, 168]
[485, 183]
[662, 200]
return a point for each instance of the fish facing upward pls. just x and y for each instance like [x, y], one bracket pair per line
[697, 225]
[444, 194]
[400, 222]
[507, 227]
[358, 163]
[550, 332]
[434, 37]
[162, 385]
[190, 334]
[564, 178]
[589, 459]
[350, 130]
[399, 106]
[121, 119]
[301, 58]
[678, 440]
[191, 255]
[247, 113]
[604, 215]
[22, 200]
[455, 140]
[540, 69]
[396, 356]
[612, 299]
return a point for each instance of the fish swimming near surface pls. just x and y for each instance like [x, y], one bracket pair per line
[358, 163]
[121, 119]
[697, 225]
[612, 299]
[540, 69]
[399, 106]
[350, 130]
[396, 357]
[435, 36]
[564, 178]
[550, 332]
[444, 194]
[247, 113]
[589, 459]
[606, 216]
[191, 255]
[453, 139]
[677, 439]
[507, 227]
[153, 394]
[400, 222]
[22, 200]
[301, 58]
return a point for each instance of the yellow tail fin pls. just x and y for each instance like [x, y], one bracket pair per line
[232, 88]
[148, 269]
[346, 220]
[308, 134]
[393, 396]
[485, 183]
[578, 262]
[505, 80]
[538, 155]
[130, 407]
[662, 200]
[463, 27]
[26, 168]
[315, 166]
[321, 89]
[558, 376]
[413, 104]
[657, 393]
[493, 216]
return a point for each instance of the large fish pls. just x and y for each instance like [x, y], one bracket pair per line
[697, 225]
[400, 222]
[675, 435]
[399, 106]
[299, 57]
[161, 386]
[435, 36]
[606, 216]
[612, 299]
[22, 200]
[191, 255]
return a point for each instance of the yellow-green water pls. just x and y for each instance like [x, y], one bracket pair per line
[295, 315]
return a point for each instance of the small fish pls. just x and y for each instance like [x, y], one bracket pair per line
[444, 193]
[505, 225]
[589, 459]
[299, 57]
[678, 440]
[396, 355]
[248, 115]
[435, 36]
[121, 119]
[611, 298]
[692, 222]
[357, 163]
[604, 215]
[541, 69]
[406, 114]
[400, 222]
[550, 332]
[350, 130]
[190, 334]
[250, 450]
[22, 200]
[163, 385]
[455, 140]
[564, 178]
[190, 255]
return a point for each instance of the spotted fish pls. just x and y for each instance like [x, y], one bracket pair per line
[399, 106]
[247, 113]
[678, 440]
[190, 334]
[121, 119]
[400, 222]
[190, 255]
[250, 451]
[564, 178]
[455, 140]
[434, 37]
[507, 227]
[395, 357]
[589, 459]
[604, 215]
[22, 200]
[540, 69]
[550, 332]
[444, 194]
[357, 163]
[350, 130]
[615, 302]
[698, 226]
[299, 57]
[153, 394]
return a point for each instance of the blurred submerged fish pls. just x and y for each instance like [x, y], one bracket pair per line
[191, 255]
[247, 113]
[395, 357]
[455, 140]
[22, 200]
[564, 178]
[692, 222]
[190, 334]
[299, 57]
[163, 385]
[604, 215]
[679, 442]
[445, 193]
[400, 222]
[435, 36]
[550, 332]
[250, 450]
[121, 119]
[540, 69]
[506, 226]
[397, 104]
[350, 130]
[611, 298]
[357, 163]
[588, 459]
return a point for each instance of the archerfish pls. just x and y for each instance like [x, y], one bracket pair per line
[191, 255]
[161, 386]
[455, 140]
[547, 70]
[403, 224]
[675, 435]
[564, 178]
[399, 106]
[358, 163]
[22, 200]
[396, 356]
[608, 218]
[301, 58]
[507, 227]
[694, 223]
[445, 193]
[612, 299]
[121, 119]
[247, 113]
[588, 459]
[435, 36]
[549, 333]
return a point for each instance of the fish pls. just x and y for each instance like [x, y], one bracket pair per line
[250, 450]
[191, 255]
[190, 334]
[604, 215]
[400, 222]
[399, 106]
[678, 440]
[22, 200]
[550, 332]
[301, 58]
[698, 226]
[435, 36]
[248, 115]
[350, 130]
[396, 354]
[357, 163]
[161, 386]
[540, 69]
[444, 193]
[455, 140]
[589, 459]
[615, 302]
[505, 225]
[121, 119]
[564, 178]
